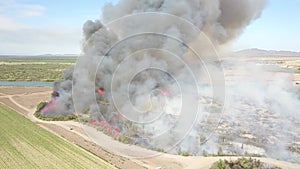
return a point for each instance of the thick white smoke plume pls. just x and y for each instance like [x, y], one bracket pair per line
[142, 84]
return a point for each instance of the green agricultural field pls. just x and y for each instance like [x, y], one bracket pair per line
[33, 69]
[24, 144]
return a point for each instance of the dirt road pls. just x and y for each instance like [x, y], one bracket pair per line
[25, 99]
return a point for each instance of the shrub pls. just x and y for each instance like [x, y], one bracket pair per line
[220, 151]
[38, 115]
[184, 153]
[241, 163]
[221, 164]
[202, 138]
[124, 138]
[161, 150]
[40, 106]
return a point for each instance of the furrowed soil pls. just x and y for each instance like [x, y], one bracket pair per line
[24, 144]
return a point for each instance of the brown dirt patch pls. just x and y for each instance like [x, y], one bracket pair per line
[30, 102]
[92, 147]
[8, 90]
[10, 104]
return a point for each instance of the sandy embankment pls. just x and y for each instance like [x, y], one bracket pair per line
[25, 99]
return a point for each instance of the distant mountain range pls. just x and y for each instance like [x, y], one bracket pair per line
[247, 52]
[271, 53]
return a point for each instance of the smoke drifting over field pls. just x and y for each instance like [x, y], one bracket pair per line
[140, 75]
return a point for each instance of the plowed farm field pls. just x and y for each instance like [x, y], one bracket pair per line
[24, 144]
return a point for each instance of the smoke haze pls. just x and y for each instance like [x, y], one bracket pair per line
[152, 78]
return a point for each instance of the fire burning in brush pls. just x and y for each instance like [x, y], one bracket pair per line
[100, 90]
[147, 60]
[166, 92]
[127, 60]
[105, 126]
[50, 105]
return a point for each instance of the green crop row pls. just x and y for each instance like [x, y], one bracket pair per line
[24, 144]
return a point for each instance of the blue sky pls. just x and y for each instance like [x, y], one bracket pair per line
[277, 29]
[48, 26]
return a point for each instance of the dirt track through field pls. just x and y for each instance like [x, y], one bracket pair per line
[60, 128]
[17, 98]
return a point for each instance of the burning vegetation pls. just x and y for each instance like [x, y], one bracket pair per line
[150, 89]
[43, 106]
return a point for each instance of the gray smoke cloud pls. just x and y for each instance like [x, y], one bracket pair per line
[138, 74]
[222, 20]
[262, 103]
